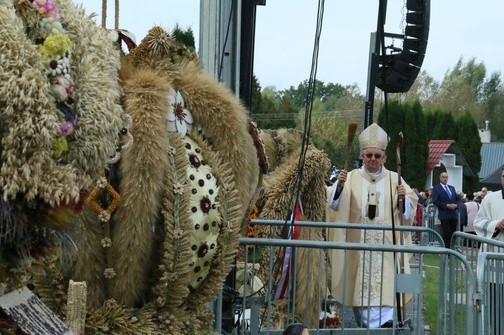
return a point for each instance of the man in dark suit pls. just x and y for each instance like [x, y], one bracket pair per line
[444, 197]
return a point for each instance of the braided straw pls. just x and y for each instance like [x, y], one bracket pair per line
[76, 306]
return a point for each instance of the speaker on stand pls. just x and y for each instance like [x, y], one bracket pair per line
[398, 70]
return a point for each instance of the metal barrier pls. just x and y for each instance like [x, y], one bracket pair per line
[469, 245]
[430, 221]
[490, 276]
[428, 235]
[258, 312]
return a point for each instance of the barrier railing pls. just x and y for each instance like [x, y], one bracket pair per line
[430, 221]
[469, 245]
[428, 235]
[490, 276]
[257, 311]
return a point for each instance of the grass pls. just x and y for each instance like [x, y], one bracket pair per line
[431, 291]
[431, 297]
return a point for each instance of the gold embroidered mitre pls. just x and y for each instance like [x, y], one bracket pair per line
[373, 137]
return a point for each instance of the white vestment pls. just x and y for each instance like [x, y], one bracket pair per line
[490, 213]
[361, 278]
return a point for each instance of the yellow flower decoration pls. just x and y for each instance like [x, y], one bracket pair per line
[60, 146]
[55, 45]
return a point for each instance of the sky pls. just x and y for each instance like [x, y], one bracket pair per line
[285, 31]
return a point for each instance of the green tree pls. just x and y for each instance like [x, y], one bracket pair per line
[330, 119]
[423, 89]
[349, 103]
[298, 94]
[463, 88]
[443, 127]
[408, 119]
[256, 97]
[331, 89]
[266, 119]
[495, 115]
[184, 37]
[468, 141]
[329, 133]
[287, 112]
[416, 150]
[492, 85]
[272, 111]
[392, 119]
[430, 110]
[494, 91]
[431, 117]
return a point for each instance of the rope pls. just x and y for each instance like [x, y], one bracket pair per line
[116, 18]
[310, 94]
[104, 14]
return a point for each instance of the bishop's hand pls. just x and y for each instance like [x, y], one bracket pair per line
[342, 176]
[401, 191]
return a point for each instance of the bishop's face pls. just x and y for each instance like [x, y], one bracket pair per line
[373, 159]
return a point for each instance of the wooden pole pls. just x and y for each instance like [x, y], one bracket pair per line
[400, 205]
[352, 128]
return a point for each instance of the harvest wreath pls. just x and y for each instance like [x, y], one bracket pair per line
[154, 257]
[60, 119]
[185, 186]
[59, 91]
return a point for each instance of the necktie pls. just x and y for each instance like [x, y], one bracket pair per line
[447, 190]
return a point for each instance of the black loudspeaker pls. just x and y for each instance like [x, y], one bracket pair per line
[397, 72]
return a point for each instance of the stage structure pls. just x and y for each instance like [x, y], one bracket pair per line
[394, 69]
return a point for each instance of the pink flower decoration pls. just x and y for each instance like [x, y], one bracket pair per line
[67, 128]
[47, 8]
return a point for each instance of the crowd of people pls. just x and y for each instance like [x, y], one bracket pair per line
[425, 197]
[455, 210]
[480, 213]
